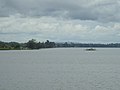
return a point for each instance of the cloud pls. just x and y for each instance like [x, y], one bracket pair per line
[64, 20]
[57, 29]
[98, 10]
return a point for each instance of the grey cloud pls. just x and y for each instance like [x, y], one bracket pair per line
[100, 10]
[60, 20]
[21, 29]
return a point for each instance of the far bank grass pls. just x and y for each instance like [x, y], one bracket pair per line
[5, 49]
[9, 49]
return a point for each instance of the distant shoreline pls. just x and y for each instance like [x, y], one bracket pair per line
[86, 48]
[34, 45]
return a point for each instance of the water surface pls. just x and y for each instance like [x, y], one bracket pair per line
[60, 69]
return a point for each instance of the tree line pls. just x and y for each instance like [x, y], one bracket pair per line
[66, 44]
[33, 44]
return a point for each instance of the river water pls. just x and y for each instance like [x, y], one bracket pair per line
[60, 69]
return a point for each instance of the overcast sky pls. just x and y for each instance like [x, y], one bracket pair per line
[95, 21]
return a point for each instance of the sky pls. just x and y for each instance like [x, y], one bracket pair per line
[88, 21]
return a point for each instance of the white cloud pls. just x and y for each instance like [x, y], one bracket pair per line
[117, 26]
[17, 28]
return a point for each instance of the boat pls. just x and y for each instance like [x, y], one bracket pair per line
[91, 49]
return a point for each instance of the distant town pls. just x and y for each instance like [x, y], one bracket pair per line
[33, 44]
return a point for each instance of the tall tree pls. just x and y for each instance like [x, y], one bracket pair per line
[32, 44]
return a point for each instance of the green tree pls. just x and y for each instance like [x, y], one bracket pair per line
[14, 45]
[49, 44]
[32, 44]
